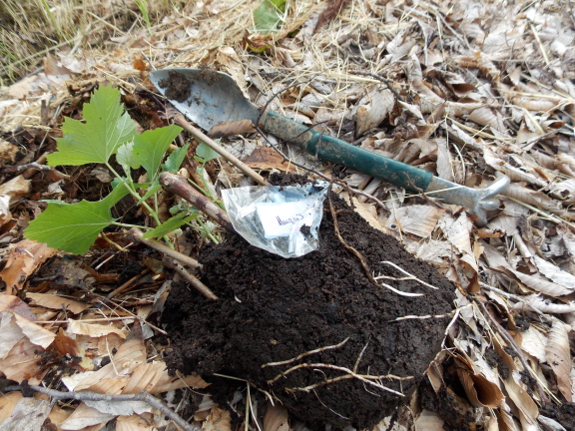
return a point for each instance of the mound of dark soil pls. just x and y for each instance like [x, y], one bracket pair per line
[273, 309]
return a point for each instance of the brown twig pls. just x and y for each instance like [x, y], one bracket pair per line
[179, 186]
[180, 120]
[127, 284]
[95, 396]
[136, 235]
[196, 284]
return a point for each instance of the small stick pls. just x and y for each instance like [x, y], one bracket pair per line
[95, 396]
[197, 284]
[303, 355]
[136, 234]
[180, 120]
[178, 185]
[127, 284]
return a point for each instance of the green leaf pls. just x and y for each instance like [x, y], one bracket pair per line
[268, 15]
[100, 136]
[175, 160]
[206, 153]
[150, 147]
[73, 228]
[125, 157]
[152, 188]
[170, 225]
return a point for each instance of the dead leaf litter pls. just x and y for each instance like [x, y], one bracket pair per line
[469, 91]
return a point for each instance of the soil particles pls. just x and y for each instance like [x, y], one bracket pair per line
[314, 332]
[177, 86]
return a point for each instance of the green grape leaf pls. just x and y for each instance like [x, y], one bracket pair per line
[73, 228]
[175, 160]
[151, 146]
[268, 15]
[206, 153]
[94, 141]
[170, 225]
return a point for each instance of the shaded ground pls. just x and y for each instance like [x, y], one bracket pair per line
[273, 309]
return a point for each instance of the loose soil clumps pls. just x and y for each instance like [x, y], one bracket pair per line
[333, 329]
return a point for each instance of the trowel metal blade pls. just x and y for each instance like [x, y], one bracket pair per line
[213, 97]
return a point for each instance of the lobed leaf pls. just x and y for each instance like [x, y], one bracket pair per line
[73, 228]
[151, 146]
[94, 141]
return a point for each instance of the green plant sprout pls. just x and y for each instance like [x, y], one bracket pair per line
[143, 6]
[108, 130]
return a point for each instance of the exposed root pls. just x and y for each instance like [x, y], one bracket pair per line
[361, 259]
[303, 355]
[409, 275]
[366, 378]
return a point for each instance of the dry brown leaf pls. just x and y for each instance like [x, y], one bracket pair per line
[21, 362]
[8, 152]
[368, 213]
[419, 220]
[16, 305]
[83, 417]
[486, 117]
[130, 354]
[5, 214]
[428, 421]
[52, 68]
[330, 12]
[533, 342]
[527, 407]
[35, 333]
[93, 329]
[239, 127]
[65, 345]
[7, 403]
[133, 423]
[10, 333]
[28, 415]
[554, 273]
[375, 107]
[480, 391]
[154, 378]
[559, 357]
[266, 158]
[55, 302]
[543, 305]
[22, 88]
[444, 161]
[539, 105]
[218, 420]
[25, 257]
[276, 419]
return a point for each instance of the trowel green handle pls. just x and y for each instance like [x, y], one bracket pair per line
[326, 147]
[334, 150]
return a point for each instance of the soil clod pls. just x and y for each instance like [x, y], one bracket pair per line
[341, 360]
[178, 87]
